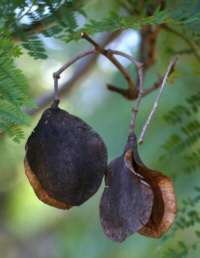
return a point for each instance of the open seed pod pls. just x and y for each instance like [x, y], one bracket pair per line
[127, 201]
[164, 206]
[65, 159]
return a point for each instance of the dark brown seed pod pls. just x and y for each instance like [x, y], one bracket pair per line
[164, 207]
[136, 198]
[127, 201]
[65, 159]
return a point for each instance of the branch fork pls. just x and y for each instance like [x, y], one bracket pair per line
[129, 93]
[133, 92]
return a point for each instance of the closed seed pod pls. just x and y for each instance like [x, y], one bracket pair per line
[65, 159]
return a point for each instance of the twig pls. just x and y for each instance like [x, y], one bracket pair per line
[81, 71]
[140, 87]
[56, 75]
[156, 85]
[66, 87]
[147, 52]
[129, 93]
[135, 108]
[155, 105]
[183, 37]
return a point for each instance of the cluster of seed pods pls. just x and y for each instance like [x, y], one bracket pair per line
[66, 161]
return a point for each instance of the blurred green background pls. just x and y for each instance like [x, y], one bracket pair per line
[31, 229]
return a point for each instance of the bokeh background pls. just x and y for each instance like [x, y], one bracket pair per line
[29, 228]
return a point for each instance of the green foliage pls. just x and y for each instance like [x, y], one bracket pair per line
[22, 21]
[13, 91]
[186, 138]
[115, 21]
[50, 18]
[183, 145]
[35, 47]
[188, 219]
[186, 15]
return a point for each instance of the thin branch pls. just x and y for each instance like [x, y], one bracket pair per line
[156, 102]
[140, 87]
[131, 92]
[56, 75]
[130, 58]
[147, 51]
[82, 69]
[183, 37]
[156, 85]
[66, 87]
[135, 108]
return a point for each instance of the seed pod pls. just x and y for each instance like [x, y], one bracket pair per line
[164, 207]
[127, 201]
[136, 198]
[65, 159]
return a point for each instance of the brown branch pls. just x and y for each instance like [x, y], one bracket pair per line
[149, 35]
[129, 93]
[140, 87]
[135, 108]
[82, 69]
[156, 102]
[150, 89]
[157, 84]
[57, 74]
[147, 53]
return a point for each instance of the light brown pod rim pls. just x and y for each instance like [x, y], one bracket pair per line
[163, 186]
[168, 196]
[39, 191]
